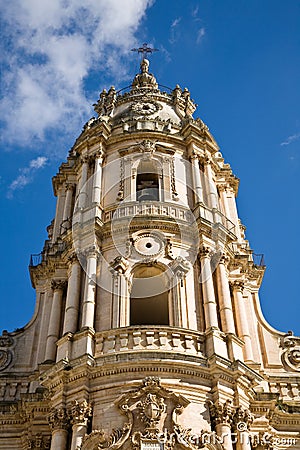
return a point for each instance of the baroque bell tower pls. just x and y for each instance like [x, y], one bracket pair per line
[147, 332]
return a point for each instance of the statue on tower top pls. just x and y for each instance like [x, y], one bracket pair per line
[144, 79]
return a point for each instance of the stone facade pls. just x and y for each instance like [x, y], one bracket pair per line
[147, 332]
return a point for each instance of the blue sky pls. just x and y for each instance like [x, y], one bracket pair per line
[241, 62]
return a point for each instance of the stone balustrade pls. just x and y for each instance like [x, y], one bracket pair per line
[168, 210]
[159, 338]
[151, 208]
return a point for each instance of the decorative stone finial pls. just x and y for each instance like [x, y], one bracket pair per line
[144, 79]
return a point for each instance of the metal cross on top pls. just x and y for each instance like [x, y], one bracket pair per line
[144, 49]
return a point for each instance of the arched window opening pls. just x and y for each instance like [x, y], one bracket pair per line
[147, 182]
[149, 297]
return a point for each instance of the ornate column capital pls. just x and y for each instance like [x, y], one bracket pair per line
[80, 412]
[99, 154]
[222, 187]
[73, 258]
[194, 156]
[180, 266]
[85, 159]
[221, 413]
[205, 252]
[59, 419]
[237, 285]
[70, 186]
[206, 160]
[242, 418]
[92, 251]
[119, 265]
[224, 258]
[58, 285]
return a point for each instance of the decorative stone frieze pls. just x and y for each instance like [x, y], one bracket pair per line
[37, 441]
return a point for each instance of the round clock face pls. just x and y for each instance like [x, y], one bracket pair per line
[145, 108]
[148, 245]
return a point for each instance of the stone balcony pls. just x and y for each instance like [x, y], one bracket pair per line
[149, 208]
[171, 210]
[159, 339]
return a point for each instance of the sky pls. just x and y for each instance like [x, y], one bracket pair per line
[239, 59]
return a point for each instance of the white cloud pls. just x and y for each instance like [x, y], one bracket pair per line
[174, 32]
[176, 22]
[195, 11]
[38, 163]
[290, 139]
[200, 35]
[53, 46]
[26, 175]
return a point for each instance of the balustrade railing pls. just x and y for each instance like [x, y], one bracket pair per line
[50, 249]
[149, 208]
[152, 338]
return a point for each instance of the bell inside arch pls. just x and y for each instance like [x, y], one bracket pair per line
[147, 182]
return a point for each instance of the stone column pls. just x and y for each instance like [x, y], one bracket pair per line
[224, 199]
[242, 419]
[59, 423]
[88, 307]
[80, 413]
[233, 211]
[73, 297]
[211, 188]
[58, 213]
[197, 185]
[97, 179]
[181, 268]
[82, 184]
[68, 201]
[209, 300]
[120, 295]
[221, 419]
[55, 319]
[226, 312]
[242, 319]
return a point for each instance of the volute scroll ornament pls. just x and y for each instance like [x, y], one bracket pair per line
[290, 356]
[6, 358]
[6, 355]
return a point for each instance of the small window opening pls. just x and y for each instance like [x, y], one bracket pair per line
[149, 297]
[147, 182]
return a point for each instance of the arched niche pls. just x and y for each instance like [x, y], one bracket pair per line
[149, 297]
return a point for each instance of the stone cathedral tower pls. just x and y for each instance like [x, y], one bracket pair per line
[147, 332]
